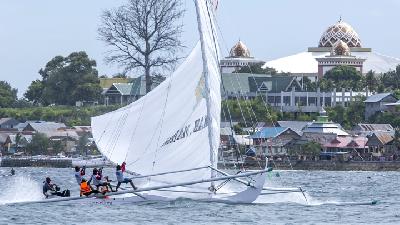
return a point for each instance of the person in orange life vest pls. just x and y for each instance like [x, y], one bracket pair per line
[86, 189]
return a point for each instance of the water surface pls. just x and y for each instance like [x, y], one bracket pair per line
[323, 189]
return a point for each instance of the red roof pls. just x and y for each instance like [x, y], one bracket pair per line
[347, 142]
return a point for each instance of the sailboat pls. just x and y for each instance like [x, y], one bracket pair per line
[169, 138]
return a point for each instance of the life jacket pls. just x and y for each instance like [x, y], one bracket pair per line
[85, 188]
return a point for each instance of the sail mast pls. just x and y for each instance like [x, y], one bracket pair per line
[207, 86]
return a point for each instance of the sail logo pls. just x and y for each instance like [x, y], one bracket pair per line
[200, 91]
[185, 131]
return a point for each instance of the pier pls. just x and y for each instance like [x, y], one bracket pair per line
[36, 162]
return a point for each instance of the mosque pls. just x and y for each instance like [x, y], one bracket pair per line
[239, 57]
[339, 45]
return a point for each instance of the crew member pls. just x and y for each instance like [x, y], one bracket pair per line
[79, 173]
[52, 189]
[120, 177]
[86, 189]
[12, 172]
[48, 187]
[96, 179]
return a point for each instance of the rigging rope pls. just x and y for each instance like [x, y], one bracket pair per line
[249, 108]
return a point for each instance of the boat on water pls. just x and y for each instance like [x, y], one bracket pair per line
[169, 138]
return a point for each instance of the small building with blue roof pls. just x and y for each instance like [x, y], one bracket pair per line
[273, 140]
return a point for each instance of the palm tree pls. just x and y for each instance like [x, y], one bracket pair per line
[371, 81]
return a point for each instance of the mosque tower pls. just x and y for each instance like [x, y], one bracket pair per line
[239, 57]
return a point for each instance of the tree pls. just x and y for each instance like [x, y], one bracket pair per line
[343, 77]
[34, 92]
[371, 81]
[337, 114]
[66, 80]
[57, 147]
[39, 144]
[391, 79]
[120, 75]
[8, 95]
[82, 146]
[257, 69]
[143, 35]
[311, 148]
[350, 116]
[307, 84]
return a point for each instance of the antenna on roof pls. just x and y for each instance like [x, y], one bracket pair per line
[340, 19]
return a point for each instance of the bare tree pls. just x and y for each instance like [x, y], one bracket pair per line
[143, 35]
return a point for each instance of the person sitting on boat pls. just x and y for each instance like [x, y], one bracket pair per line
[120, 177]
[79, 173]
[86, 189]
[96, 179]
[50, 189]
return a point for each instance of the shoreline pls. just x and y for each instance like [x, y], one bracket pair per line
[321, 165]
[318, 165]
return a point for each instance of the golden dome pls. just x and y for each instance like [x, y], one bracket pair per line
[340, 48]
[240, 51]
[340, 31]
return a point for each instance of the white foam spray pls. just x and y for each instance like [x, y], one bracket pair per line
[20, 189]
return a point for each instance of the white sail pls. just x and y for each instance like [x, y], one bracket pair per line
[166, 130]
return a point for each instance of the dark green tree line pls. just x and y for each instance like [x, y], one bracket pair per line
[66, 80]
[8, 95]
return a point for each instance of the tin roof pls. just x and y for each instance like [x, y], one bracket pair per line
[269, 132]
[378, 97]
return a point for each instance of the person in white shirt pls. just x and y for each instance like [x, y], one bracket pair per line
[79, 173]
[120, 177]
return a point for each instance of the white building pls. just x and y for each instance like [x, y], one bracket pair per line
[340, 56]
[306, 64]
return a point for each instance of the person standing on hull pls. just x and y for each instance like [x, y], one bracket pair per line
[12, 172]
[120, 177]
[96, 180]
[79, 173]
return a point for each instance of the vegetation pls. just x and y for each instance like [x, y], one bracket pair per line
[248, 112]
[66, 80]
[311, 149]
[143, 35]
[391, 79]
[8, 95]
[349, 116]
[39, 145]
[342, 77]
[71, 116]
[257, 69]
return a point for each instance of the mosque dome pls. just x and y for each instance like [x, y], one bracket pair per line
[340, 48]
[240, 51]
[340, 31]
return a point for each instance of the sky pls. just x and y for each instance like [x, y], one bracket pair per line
[33, 32]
